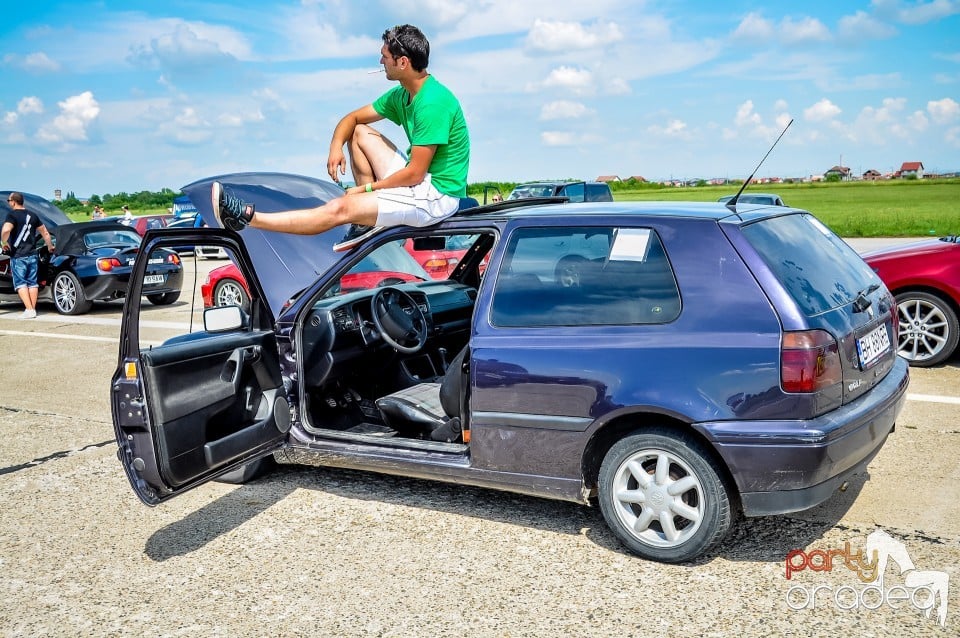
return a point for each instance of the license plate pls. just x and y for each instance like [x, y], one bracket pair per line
[872, 345]
[154, 279]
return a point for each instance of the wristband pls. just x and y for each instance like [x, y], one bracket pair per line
[369, 187]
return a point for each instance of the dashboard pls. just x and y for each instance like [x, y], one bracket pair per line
[339, 336]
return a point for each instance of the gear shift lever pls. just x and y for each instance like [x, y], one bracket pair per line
[443, 359]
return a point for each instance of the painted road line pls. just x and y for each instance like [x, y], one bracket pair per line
[933, 398]
[55, 335]
[95, 321]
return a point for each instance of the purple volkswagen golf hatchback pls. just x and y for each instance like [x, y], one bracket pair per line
[677, 364]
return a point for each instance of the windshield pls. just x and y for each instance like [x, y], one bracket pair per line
[818, 268]
[532, 190]
[111, 238]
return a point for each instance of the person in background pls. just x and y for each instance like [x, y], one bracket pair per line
[18, 237]
[127, 215]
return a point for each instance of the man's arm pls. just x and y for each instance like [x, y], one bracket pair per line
[337, 161]
[5, 233]
[46, 237]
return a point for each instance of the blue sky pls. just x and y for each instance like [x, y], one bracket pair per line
[104, 97]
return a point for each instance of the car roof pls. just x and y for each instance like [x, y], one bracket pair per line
[48, 211]
[546, 207]
[70, 236]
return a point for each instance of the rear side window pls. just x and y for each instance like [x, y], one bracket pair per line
[584, 277]
[599, 193]
[818, 269]
[573, 191]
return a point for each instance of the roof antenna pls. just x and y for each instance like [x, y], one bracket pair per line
[732, 204]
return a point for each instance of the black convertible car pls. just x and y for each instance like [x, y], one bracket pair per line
[92, 262]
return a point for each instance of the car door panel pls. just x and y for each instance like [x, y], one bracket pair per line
[202, 403]
[194, 389]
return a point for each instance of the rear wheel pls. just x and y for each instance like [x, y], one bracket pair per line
[68, 295]
[229, 292]
[661, 493]
[928, 329]
[164, 299]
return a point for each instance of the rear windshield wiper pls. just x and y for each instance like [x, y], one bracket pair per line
[862, 302]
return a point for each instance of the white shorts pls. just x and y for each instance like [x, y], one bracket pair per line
[420, 205]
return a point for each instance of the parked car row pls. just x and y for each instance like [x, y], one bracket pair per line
[675, 363]
[91, 262]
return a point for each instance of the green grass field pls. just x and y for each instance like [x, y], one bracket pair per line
[896, 208]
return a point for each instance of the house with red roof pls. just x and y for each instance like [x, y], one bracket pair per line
[911, 168]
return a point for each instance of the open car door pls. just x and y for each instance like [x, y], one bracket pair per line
[196, 405]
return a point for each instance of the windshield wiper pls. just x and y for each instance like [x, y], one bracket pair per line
[862, 302]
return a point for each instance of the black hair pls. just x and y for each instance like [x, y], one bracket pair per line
[16, 197]
[407, 40]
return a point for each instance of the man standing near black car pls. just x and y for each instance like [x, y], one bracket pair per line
[19, 240]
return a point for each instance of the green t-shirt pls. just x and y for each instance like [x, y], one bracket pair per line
[433, 117]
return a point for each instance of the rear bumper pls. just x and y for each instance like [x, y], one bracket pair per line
[788, 466]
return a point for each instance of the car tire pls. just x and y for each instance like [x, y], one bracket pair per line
[230, 292]
[676, 525]
[68, 295]
[250, 471]
[928, 329]
[164, 299]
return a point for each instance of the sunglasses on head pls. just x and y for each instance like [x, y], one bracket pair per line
[402, 49]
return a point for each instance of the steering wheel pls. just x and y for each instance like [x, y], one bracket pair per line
[399, 319]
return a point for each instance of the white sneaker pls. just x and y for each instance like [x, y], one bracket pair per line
[29, 314]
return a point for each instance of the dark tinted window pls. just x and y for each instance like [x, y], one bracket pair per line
[573, 191]
[599, 193]
[818, 268]
[584, 276]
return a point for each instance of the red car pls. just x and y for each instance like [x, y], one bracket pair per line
[226, 286]
[925, 279]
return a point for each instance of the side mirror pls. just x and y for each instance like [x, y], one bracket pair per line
[223, 318]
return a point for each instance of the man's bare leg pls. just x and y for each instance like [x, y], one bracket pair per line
[360, 208]
[370, 154]
[24, 294]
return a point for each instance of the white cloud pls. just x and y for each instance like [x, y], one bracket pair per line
[38, 62]
[918, 12]
[673, 128]
[29, 104]
[822, 110]
[618, 86]
[77, 113]
[577, 80]
[754, 28]
[943, 111]
[563, 109]
[803, 30]
[862, 26]
[188, 45]
[10, 117]
[557, 138]
[558, 37]
[569, 138]
[746, 116]
[918, 121]
[780, 105]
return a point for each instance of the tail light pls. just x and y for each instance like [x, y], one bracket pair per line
[106, 264]
[809, 361]
[173, 258]
[435, 265]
